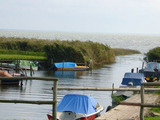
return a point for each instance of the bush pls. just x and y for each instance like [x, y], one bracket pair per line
[153, 54]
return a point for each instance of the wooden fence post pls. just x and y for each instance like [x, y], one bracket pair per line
[31, 70]
[142, 103]
[54, 106]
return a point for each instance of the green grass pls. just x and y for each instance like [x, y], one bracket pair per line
[26, 57]
[17, 54]
[152, 118]
[157, 110]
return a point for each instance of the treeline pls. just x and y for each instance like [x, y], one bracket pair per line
[58, 51]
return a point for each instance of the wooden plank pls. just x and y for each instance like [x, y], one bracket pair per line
[148, 99]
[107, 89]
[125, 112]
[28, 101]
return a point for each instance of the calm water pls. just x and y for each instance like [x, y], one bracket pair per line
[102, 77]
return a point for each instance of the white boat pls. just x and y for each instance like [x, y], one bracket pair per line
[77, 107]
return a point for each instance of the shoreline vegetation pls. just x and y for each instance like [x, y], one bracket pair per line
[58, 51]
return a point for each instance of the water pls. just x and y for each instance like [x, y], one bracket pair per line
[102, 77]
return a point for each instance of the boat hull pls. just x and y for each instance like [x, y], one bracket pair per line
[92, 117]
[9, 82]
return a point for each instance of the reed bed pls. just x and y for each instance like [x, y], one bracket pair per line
[57, 50]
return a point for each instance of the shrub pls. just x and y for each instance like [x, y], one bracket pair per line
[153, 54]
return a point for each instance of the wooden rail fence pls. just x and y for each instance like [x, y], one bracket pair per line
[143, 89]
[54, 102]
[55, 88]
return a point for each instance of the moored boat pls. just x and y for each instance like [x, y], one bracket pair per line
[130, 80]
[77, 107]
[10, 74]
[25, 64]
[70, 66]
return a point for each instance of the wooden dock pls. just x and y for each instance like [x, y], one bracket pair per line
[129, 109]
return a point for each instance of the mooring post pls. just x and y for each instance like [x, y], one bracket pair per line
[132, 70]
[18, 66]
[112, 88]
[63, 68]
[54, 106]
[31, 70]
[142, 103]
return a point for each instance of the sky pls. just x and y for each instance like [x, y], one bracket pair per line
[91, 16]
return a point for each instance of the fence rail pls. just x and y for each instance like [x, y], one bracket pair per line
[107, 89]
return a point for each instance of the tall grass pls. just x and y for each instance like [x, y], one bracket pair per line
[57, 50]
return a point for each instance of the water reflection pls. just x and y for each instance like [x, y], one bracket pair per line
[64, 74]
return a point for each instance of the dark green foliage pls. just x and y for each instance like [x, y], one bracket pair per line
[22, 45]
[153, 54]
[61, 53]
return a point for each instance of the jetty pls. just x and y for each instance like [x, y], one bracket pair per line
[129, 109]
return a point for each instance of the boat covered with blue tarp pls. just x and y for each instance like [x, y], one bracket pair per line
[77, 107]
[134, 78]
[69, 66]
[77, 104]
[65, 64]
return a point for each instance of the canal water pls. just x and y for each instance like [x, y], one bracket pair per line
[42, 90]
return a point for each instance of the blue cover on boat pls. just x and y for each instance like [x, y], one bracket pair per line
[135, 78]
[66, 64]
[77, 104]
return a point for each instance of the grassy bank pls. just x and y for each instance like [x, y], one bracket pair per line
[120, 51]
[14, 54]
[57, 50]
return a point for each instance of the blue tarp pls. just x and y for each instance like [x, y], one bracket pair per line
[135, 78]
[77, 104]
[66, 64]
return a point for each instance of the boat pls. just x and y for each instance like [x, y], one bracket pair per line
[77, 107]
[130, 80]
[133, 79]
[151, 71]
[69, 66]
[11, 82]
[25, 64]
[153, 65]
[150, 75]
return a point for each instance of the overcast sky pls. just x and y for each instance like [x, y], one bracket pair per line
[100, 16]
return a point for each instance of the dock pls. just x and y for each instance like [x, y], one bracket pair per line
[129, 109]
